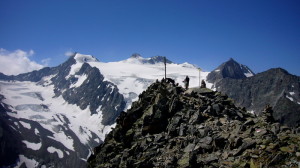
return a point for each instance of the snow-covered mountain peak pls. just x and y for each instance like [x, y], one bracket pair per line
[138, 59]
[135, 59]
[247, 71]
[136, 55]
[188, 65]
[230, 69]
[81, 58]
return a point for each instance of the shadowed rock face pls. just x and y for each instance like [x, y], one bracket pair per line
[170, 127]
[275, 87]
[230, 69]
[10, 145]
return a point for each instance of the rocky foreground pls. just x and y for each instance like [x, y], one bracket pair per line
[171, 127]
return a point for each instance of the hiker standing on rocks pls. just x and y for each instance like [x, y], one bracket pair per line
[186, 82]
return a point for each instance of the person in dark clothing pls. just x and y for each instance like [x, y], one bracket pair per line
[186, 82]
[203, 84]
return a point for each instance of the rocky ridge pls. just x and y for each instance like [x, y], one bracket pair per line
[171, 127]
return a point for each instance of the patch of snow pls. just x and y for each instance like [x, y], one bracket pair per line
[291, 99]
[187, 65]
[217, 70]
[17, 124]
[80, 80]
[36, 131]
[292, 93]
[59, 152]
[46, 81]
[251, 111]
[33, 146]
[136, 60]
[64, 139]
[26, 125]
[74, 69]
[249, 74]
[97, 140]
[80, 60]
[28, 162]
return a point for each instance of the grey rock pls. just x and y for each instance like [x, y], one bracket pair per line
[189, 148]
[201, 132]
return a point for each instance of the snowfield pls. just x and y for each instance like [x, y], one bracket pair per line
[133, 79]
[53, 114]
[132, 76]
[50, 111]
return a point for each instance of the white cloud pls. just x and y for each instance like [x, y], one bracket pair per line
[69, 53]
[16, 62]
[46, 61]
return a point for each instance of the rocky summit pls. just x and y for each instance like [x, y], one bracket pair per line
[171, 127]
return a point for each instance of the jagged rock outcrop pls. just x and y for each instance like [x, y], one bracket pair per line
[171, 127]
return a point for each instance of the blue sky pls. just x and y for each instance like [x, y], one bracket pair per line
[259, 34]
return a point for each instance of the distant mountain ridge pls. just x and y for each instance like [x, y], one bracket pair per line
[230, 69]
[275, 87]
[137, 58]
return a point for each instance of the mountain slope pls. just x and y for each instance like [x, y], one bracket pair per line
[168, 127]
[275, 87]
[57, 115]
[10, 145]
[230, 69]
